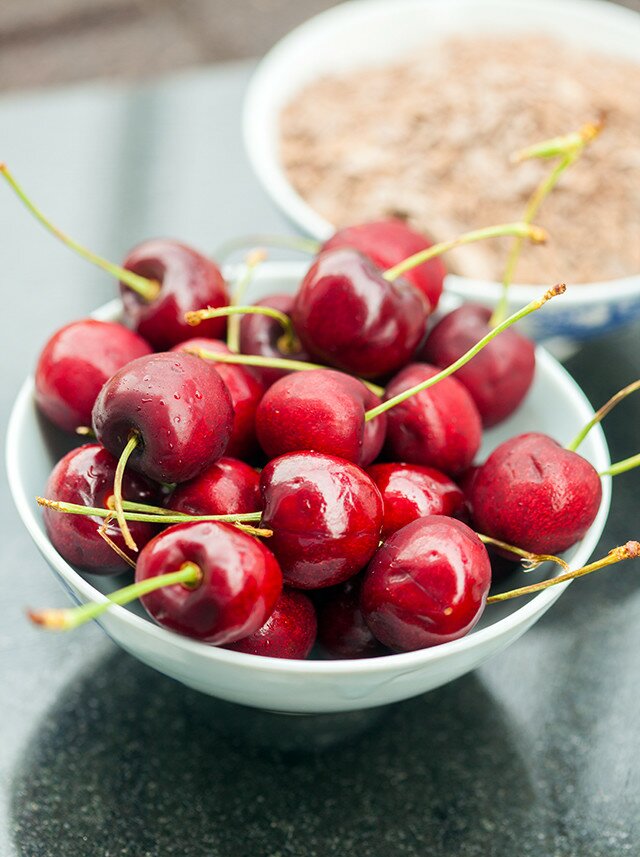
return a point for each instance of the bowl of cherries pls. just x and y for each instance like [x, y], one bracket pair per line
[307, 487]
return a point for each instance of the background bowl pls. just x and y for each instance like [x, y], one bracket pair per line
[555, 405]
[362, 33]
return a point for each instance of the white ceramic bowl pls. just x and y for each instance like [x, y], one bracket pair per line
[555, 405]
[362, 33]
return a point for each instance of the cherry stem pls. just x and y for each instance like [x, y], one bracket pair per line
[622, 466]
[165, 516]
[146, 288]
[189, 575]
[449, 370]
[570, 147]
[289, 339]
[270, 363]
[629, 551]
[102, 532]
[251, 262]
[84, 431]
[529, 560]
[131, 445]
[520, 229]
[287, 242]
[602, 412]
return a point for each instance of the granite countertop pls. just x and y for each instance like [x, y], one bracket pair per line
[534, 754]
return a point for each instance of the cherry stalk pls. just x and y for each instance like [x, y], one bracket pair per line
[631, 550]
[147, 289]
[288, 342]
[251, 262]
[602, 412]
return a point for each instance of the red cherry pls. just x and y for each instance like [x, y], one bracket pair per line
[532, 493]
[289, 632]
[76, 362]
[322, 410]
[498, 377]
[325, 514]
[347, 315]
[410, 491]
[177, 405]
[188, 280]
[241, 581]
[85, 476]
[262, 336]
[342, 631]
[439, 427]
[389, 242]
[426, 585]
[226, 487]
[246, 392]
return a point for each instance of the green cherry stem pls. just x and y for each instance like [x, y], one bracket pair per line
[289, 339]
[520, 229]
[602, 412]
[449, 370]
[189, 575]
[167, 516]
[529, 560]
[146, 288]
[130, 447]
[270, 362]
[629, 551]
[622, 466]
[286, 242]
[251, 262]
[570, 147]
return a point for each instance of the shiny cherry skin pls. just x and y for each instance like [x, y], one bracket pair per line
[245, 390]
[178, 406]
[322, 410]
[411, 491]
[389, 242]
[76, 362]
[85, 476]
[189, 281]
[439, 427]
[226, 487]
[498, 377]
[533, 493]
[348, 316]
[342, 631]
[240, 586]
[289, 632]
[262, 336]
[326, 516]
[426, 585]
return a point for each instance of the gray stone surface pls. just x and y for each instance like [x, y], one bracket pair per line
[534, 754]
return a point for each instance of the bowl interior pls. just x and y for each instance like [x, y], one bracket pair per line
[555, 406]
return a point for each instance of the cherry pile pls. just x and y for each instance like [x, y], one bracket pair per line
[311, 477]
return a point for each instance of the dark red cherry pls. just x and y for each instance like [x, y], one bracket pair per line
[342, 631]
[533, 493]
[426, 585]
[177, 405]
[262, 336]
[226, 487]
[289, 632]
[76, 362]
[439, 427]
[246, 392]
[241, 581]
[498, 377]
[322, 410]
[411, 491]
[325, 514]
[347, 315]
[389, 242]
[189, 281]
[85, 476]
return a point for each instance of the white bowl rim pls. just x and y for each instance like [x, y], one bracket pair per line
[273, 179]
[404, 662]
